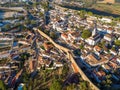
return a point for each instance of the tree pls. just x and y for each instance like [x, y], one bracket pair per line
[90, 13]
[45, 5]
[30, 84]
[71, 87]
[35, 5]
[113, 24]
[27, 21]
[82, 13]
[7, 26]
[25, 77]
[113, 48]
[81, 46]
[81, 28]
[107, 83]
[65, 70]
[117, 19]
[33, 22]
[21, 18]
[18, 24]
[83, 85]
[56, 85]
[117, 42]
[41, 14]
[46, 32]
[2, 85]
[44, 76]
[86, 34]
[24, 56]
[34, 83]
[24, 88]
[53, 35]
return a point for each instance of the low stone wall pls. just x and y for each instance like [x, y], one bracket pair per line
[69, 56]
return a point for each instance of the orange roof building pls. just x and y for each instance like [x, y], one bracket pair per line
[47, 45]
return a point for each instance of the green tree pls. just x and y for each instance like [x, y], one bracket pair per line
[113, 24]
[33, 22]
[117, 42]
[2, 85]
[30, 84]
[24, 88]
[7, 26]
[25, 77]
[21, 18]
[82, 13]
[86, 34]
[56, 85]
[24, 56]
[18, 24]
[107, 83]
[53, 35]
[90, 13]
[34, 4]
[81, 46]
[71, 87]
[46, 32]
[45, 5]
[27, 21]
[83, 85]
[41, 14]
[35, 83]
[44, 76]
[65, 70]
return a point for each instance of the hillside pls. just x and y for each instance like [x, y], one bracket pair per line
[113, 8]
[118, 1]
[92, 1]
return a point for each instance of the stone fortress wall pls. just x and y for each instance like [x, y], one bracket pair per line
[70, 57]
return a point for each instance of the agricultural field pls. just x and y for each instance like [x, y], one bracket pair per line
[113, 8]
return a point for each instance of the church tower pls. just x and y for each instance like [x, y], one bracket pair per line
[94, 32]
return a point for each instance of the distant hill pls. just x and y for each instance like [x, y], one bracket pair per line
[118, 1]
[105, 5]
[93, 1]
[106, 1]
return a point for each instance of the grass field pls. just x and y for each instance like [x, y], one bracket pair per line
[114, 8]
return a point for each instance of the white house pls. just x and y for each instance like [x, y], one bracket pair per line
[118, 60]
[110, 30]
[4, 55]
[90, 19]
[113, 52]
[108, 37]
[46, 55]
[106, 20]
[58, 64]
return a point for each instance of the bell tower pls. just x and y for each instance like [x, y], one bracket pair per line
[94, 32]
